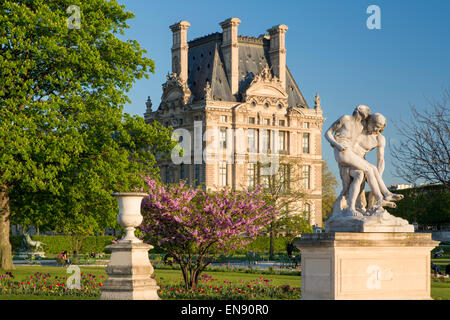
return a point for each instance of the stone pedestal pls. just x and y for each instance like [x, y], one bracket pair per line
[129, 273]
[366, 266]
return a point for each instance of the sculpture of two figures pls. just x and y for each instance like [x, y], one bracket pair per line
[352, 137]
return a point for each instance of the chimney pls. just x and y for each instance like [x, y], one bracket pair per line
[277, 52]
[180, 49]
[230, 51]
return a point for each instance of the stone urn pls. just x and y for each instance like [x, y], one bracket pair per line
[129, 268]
[130, 215]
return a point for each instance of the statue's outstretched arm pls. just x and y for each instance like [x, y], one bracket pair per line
[329, 134]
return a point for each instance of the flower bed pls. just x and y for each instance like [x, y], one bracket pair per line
[212, 289]
[43, 284]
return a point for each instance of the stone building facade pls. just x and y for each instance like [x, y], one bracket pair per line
[234, 104]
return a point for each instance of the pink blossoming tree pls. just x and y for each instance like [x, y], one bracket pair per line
[194, 225]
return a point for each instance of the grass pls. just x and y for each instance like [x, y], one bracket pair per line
[439, 290]
[164, 277]
[440, 261]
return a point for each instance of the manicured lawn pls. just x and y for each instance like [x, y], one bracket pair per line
[166, 279]
[439, 290]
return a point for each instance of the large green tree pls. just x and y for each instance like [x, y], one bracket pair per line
[63, 85]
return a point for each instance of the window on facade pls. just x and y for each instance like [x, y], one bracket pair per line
[282, 141]
[267, 122]
[282, 123]
[306, 142]
[223, 118]
[305, 125]
[265, 179]
[197, 174]
[306, 177]
[251, 140]
[283, 177]
[265, 134]
[251, 120]
[263, 176]
[307, 211]
[180, 122]
[223, 138]
[223, 174]
[251, 175]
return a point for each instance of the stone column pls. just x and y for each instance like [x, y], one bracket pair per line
[129, 269]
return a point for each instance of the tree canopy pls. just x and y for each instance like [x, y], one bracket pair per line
[64, 141]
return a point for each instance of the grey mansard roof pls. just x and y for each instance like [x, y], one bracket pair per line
[206, 63]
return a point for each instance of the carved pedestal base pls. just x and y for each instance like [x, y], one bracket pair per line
[378, 222]
[129, 273]
[365, 266]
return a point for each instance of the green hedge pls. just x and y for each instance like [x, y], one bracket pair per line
[56, 244]
[261, 244]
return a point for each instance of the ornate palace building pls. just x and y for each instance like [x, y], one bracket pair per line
[239, 89]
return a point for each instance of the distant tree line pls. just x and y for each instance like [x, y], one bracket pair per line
[428, 206]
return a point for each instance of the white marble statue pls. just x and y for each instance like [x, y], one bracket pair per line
[352, 137]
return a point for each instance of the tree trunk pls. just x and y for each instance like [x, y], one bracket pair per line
[6, 262]
[271, 242]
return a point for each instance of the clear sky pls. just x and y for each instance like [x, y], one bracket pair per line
[329, 50]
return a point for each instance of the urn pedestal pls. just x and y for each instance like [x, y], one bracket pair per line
[129, 269]
[366, 266]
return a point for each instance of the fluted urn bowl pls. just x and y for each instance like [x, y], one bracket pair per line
[130, 215]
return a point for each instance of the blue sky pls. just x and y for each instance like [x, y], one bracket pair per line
[329, 50]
